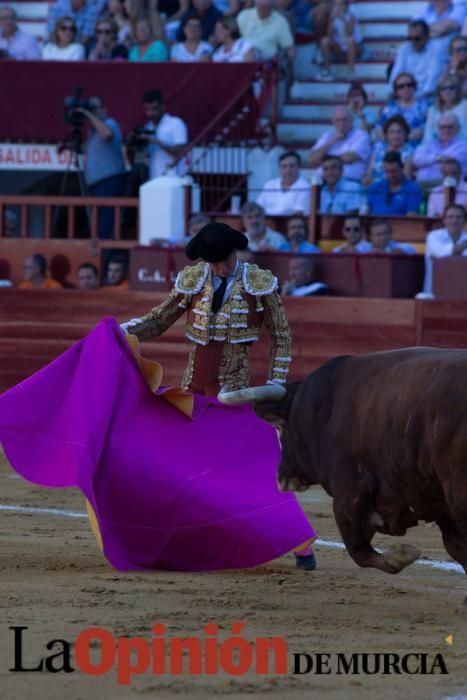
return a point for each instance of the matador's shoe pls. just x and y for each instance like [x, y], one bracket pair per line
[308, 563]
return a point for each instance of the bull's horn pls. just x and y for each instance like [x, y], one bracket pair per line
[269, 392]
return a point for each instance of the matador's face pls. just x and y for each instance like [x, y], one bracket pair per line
[226, 267]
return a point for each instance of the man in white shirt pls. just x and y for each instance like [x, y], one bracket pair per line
[351, 145]
[260, 237]
[166, 135]
[443, 242]
[267, 29]
[419, 57]
[288, 194]
[451, 170]
[445, 20]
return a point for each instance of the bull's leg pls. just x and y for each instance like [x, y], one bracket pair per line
[355, 520]
[455, 541]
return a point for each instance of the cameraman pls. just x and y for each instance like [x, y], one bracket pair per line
[104, 170]
[166, 135]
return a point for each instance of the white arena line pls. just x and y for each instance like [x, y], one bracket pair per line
[433, 563]
[47, 511]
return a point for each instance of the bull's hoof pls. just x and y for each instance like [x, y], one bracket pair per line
[307, 563]
[401, 555]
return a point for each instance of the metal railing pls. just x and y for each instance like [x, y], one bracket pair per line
[58, 218]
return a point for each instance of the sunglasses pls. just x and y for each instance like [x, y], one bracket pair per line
[352, 229]
[405, 85]
[416, 38]
[68, 28]
[103, 31]
[447, 87]
[447, 126]
[460, 49]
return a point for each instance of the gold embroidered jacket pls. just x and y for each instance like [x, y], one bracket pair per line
[253, 299]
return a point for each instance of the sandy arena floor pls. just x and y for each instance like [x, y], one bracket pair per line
[55, 582]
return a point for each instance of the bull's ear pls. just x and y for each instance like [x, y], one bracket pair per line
[274, 412]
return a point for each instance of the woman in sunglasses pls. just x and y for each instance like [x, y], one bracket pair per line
[105, 46]
[406, 103]
[448, 100]
[62, 45]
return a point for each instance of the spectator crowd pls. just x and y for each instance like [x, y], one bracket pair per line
[396, 162]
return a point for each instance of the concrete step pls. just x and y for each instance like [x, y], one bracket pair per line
[37, 29]
[291, 132]
[377, 10]
[382, 49]
[315, 91]
[300, 111]
[31, 10]
[386, 30]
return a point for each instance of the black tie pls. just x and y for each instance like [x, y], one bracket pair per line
[218, 295]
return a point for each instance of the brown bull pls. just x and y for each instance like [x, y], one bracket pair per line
[385, 434]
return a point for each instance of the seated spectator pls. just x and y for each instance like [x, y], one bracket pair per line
[88, 276]
[406, 103]
[147, 48]
[297, 237]
[84, 13]
[289, 193]
[419, 57]
[10, 224]
[381, 239]
[117, 274]
[443, 242]
[353, 233]
[394, 194]
[338, 195]
[209, 15]
[429, 155]
[448, 101]
[196, 222]
[17, 44]
[193, 48]
[319, 17]
[260, 237]
[351, 145]
[451, 171]
[116, 10]
[396, 140]
[233, 48]
[106, 47]
[458, 61]
[35, 274]
[62, 45]
[445, 19]
[267, 30]
[302, 281]
[343, 39]
[363, 116]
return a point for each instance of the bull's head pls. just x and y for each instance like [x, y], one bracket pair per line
[273, 403]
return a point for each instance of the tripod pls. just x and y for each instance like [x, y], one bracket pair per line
[74, 144]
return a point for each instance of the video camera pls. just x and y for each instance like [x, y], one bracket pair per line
[71, 104]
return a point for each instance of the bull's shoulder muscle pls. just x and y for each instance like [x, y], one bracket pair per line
[192, 278]
[257, 281]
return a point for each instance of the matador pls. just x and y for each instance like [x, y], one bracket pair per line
[226, 302]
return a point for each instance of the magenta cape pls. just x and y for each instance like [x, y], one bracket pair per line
[169, 491]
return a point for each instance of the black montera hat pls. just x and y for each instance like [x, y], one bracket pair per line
[215, 242]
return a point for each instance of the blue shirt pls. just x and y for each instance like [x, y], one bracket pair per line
[347, 196]
[104, 158]
[85, 18]
[395, 245]
[303, 247]
[382, 201]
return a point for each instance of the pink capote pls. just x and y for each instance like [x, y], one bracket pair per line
[169, 491]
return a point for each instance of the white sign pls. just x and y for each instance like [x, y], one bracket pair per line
[30, 156]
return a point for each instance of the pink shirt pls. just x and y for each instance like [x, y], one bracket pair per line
[21, 46]
[357, 141]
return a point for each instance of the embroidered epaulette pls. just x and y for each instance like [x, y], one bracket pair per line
[258, 281]
[192, 278]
